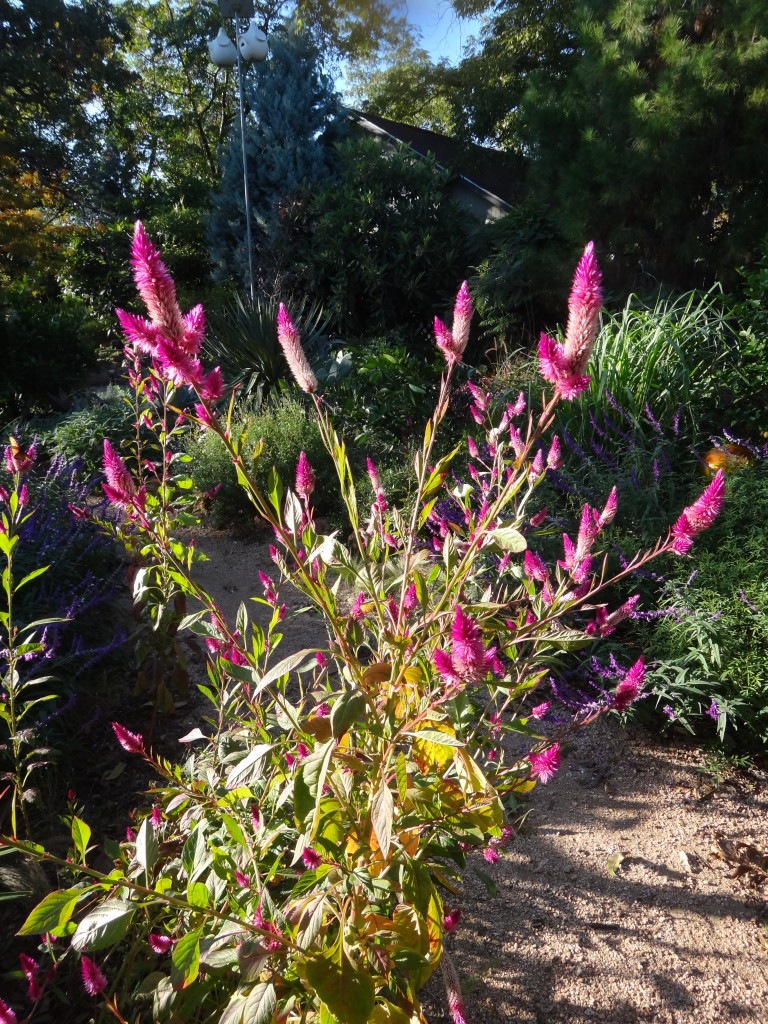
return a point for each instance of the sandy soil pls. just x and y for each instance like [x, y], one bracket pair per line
[613, 902]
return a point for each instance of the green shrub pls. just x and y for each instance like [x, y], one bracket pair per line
[80, 434]
[287, 431]
[713, 643]
[50, 344]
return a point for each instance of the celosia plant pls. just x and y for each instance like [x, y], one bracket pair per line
[293, 867]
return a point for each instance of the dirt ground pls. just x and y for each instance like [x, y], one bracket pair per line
[616, 902]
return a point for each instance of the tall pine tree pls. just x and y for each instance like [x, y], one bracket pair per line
[294, 119]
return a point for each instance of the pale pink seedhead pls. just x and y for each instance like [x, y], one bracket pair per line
[555, 454]
[583, 312]
[453, 990]
[290, 342]
[305, 478]
[155, 285]
[462, 317]
[609, 512]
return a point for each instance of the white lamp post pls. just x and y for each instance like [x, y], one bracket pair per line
[249, 45]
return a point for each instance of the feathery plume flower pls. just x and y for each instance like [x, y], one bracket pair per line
[462, 316]
[311, 858]
[119, 488]
[305, 478]
[609, 512]
[31, 971]
[565, 365]
[700, 515]
[93, 979]
[545, 764]
[290, 342]
[160, 944]
[491, 855]
[541, 710]
[130, 741]
[411, 599]
[584, 304]
[444, 665]
[534, 567]
[444, 340]
[451, 919]
[212, 387]
[629, 688]
[453, 989]
[155, 285]
[7, 1016]
[471, 661]
[554, 455]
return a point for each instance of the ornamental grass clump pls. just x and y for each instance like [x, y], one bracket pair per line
[294, 866]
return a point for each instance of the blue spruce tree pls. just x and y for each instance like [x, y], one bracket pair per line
[293, 120]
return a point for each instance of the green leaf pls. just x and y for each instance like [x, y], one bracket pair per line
[81, 834]
[310, 783]
[195, 857]
[260, 1004]
[104, 926]
[440, 739]
[52, 912]
[146, 846]
[507, 538]
[401, 771]
[283, 668]
[197, 895]
[250, 767]
[185, 960]
[382, 815]
[31, 576]
[349, 994]
[346, 710]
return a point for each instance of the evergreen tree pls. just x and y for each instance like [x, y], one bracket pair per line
[294, 119]
[655, 143]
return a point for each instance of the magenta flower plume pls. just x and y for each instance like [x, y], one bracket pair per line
[119, 488]
[629, 688]
[469, 657]
[445, 342]
[7, 1016]
[212, 387]
[130, 741]
[141, 333]
[451, 920]
[160, 944]
[545, 764]
[155, 285]
[554, 367]
[305, 478]
[93, 979]
[609, 512]
[290, 342]
[311, 858]
[453, 990]
[700, 515]
[462, 316]
[565, 365]
[584, 304]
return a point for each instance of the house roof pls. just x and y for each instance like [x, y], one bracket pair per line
[487, 170]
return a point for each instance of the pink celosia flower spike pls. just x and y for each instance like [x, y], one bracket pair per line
[7, 1016]
[93, 979]
[545, 764]
[290, 342]
[453, 990]
[305, 478]
[700, 515]
[119, 487]
[471, 661]
[445, 342]
[629, 688]
[583, 312]
[155, 285]
[462, 316]
[130, 741]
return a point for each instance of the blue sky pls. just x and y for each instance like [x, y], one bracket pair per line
[443, 33]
